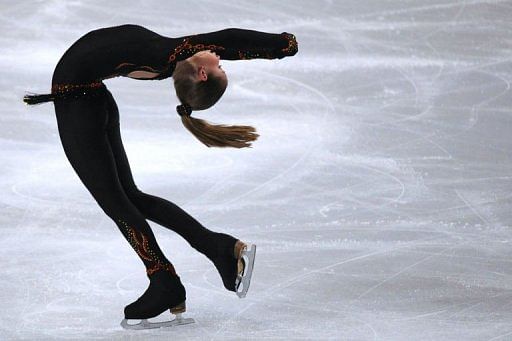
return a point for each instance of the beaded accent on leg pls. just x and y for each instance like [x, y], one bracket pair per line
[140, 243]
[138, 239]
[159, 266]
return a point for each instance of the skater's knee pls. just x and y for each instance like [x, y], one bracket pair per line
[140, 199]
[135, 195]
[114, 203]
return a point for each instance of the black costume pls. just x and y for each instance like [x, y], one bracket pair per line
[88, 124]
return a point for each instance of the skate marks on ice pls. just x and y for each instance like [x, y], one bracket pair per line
[402, 232]
[312, 111]
[430, 152]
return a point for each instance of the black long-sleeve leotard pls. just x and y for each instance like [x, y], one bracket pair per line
[119, 50]
[90, 132]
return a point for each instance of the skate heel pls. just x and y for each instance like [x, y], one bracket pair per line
[245, 253]
[239, 247]
[179, 309]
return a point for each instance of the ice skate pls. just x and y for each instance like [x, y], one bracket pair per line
[165, 291]
[235, 266]
[245, 255]
[145, 324]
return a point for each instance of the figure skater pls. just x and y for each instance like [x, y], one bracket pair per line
[88, 123]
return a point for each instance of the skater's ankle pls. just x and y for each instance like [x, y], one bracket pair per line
[159, 269]
[220, 245]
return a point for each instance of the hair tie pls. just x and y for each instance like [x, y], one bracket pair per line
[184, 109]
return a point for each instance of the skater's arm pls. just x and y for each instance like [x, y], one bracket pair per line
[237, 44]
[136, 52]
[158, 59]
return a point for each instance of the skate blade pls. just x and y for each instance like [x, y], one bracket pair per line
[145, 324]
[243, 280]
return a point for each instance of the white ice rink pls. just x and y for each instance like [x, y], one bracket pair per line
[379, 191]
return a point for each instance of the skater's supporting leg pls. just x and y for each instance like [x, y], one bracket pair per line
[82, 129]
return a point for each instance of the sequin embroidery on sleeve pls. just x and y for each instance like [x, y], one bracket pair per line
[186, 49]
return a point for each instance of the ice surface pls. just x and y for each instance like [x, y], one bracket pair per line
[378, 194]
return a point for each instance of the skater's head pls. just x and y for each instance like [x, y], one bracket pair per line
[199, 80]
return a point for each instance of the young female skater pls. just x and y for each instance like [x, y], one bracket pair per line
[88, 124]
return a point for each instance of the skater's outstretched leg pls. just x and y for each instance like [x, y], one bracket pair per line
[222, 249]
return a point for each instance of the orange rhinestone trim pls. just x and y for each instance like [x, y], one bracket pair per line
[159, 266]
[67, 88]
[140, 244]
[187, 48]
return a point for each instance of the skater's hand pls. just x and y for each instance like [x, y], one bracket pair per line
[292, 47]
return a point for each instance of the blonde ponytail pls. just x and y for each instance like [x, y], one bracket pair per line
[196, 95]
[219, 135]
